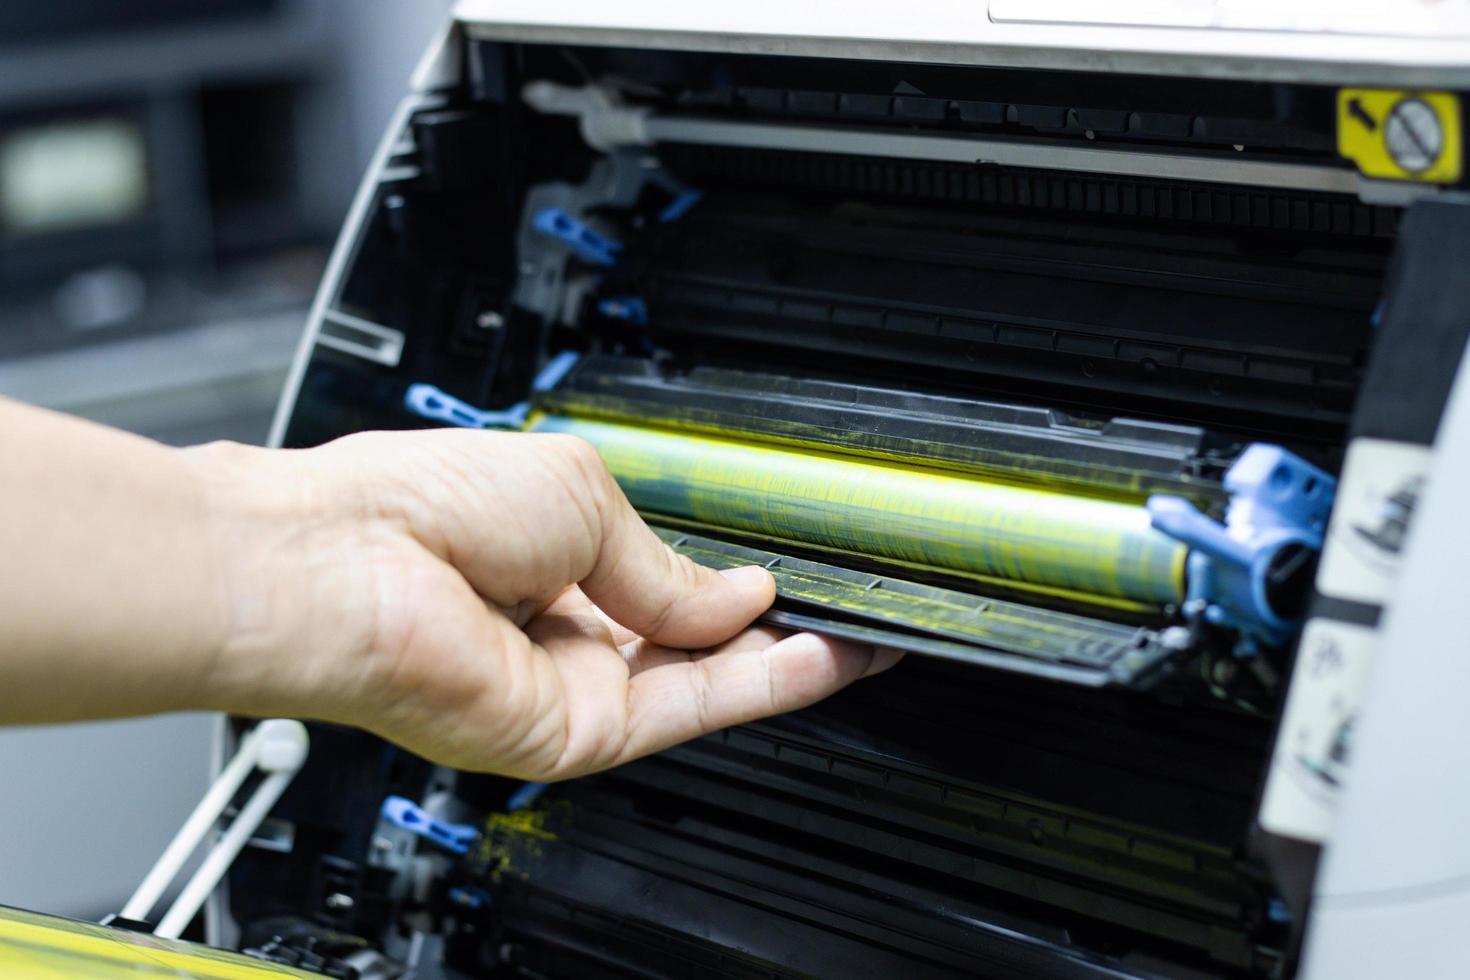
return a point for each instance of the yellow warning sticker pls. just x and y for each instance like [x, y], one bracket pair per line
[1399, 135]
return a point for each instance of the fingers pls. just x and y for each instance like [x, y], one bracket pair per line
[883, 658]
[524, 516]
[676, 702]
[580, 640]
[644, 655]
[574, 597]
[644, 585]
[641, 654]
[594, 684]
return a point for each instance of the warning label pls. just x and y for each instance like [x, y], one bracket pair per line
[1316, 734]
[1376, 498]
[1400, 135]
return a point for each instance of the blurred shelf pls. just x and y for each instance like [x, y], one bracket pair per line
[107, 61]
[215, 381]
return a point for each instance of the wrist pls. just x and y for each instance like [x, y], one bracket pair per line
[254, 515]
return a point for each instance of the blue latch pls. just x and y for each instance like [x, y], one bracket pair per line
[680, 205]
[628, 308]
[431, 402]
[405, 813]
[469, 897]
[1279, 504]
[581, 238]
[524, 796]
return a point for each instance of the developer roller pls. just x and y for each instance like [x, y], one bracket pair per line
[1074, 524]
[928, 518]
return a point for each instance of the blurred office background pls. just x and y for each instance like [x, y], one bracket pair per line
[172, 173]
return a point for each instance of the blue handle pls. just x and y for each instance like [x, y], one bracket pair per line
[1277, 501]
[432, 403]
[405, 813]
[524, 796]
[680, 206]
[628, 308]
[1179, 519]
[581, 238]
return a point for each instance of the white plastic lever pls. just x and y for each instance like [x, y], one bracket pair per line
[276, 747]
[606, 124]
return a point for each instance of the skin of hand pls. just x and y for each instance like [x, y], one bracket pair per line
[487, 600]
[491, 601]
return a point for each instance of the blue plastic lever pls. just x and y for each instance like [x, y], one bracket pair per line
[1277, 501]
[524, 796]
[431, 402]
[470, 898]
[405, 813]
[581, 238]
[680, 205]
[628, 308]
[1179, 519]
[557, 368]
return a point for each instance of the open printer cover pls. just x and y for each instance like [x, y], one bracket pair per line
[1092, 355]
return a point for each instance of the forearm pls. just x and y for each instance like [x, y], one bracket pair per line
[488, 600]
[109, 598]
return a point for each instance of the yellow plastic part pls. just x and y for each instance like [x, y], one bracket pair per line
[44, 947]
[1392, 134]
[903, 513]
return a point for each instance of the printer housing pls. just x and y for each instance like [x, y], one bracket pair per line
[1075, 276]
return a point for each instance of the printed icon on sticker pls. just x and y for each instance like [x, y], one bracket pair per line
[1392, 134]
[1413, 135]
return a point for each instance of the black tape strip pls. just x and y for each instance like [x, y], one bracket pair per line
[1424, 330]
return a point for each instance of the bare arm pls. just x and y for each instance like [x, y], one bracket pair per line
[488, 600]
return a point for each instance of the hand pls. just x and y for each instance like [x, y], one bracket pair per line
[488, 600]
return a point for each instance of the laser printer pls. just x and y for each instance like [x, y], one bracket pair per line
[1107, 358]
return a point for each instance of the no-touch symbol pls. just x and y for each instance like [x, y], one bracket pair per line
[1413, 135]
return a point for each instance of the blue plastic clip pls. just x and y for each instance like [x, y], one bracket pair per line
[469, 897]
[557, 368]
[1279, 505]
[431, 402]
[524, 796]
[629, 308]
[680, 205]
[405, 813]
[581, 238]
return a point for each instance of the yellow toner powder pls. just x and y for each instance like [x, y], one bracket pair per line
[893, 511]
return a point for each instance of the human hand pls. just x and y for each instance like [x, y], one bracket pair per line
[487, 600]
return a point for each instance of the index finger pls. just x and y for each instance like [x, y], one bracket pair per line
[675, 702]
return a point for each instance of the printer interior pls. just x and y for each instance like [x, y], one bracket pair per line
[1041, 376]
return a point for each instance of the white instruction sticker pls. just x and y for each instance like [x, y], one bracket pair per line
[1381, 485]
[1315, 737]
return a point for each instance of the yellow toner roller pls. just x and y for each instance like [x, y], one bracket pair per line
[941, 520]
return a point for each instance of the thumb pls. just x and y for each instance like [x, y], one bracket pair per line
[646, 586]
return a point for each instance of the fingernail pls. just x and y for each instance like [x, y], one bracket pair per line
[883, 658]
[747, 576]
